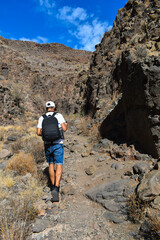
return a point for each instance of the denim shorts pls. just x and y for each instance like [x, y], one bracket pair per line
[54, 153]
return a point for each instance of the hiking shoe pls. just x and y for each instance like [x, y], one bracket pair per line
[55, 194]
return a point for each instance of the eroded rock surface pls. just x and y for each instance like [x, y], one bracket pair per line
[123, 84]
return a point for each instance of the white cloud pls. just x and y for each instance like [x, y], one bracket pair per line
[38, 39]
[47, 6]
[72, 15]
[87, 29]
[90, 34]
[42, 39]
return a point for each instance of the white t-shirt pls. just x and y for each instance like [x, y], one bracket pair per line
[60, 119]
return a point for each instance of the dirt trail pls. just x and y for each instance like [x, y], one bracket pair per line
[76, 216]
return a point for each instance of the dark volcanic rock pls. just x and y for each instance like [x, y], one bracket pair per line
[123, 84]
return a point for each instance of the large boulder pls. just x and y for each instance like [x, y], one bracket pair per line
[113, 197]
[149, 187]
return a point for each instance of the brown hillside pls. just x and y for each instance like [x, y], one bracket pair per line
[32, 73]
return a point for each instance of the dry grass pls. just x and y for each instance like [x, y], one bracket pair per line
[34, 145]
[17, 210]
[15, 220]
[2, 194]
[16, 146]
[22, 163]
[136, 208]
[33, 189]
[141, 212]
[6, 180]
[9, 130]
[154, 222]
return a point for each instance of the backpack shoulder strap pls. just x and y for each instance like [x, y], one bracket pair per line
[44, 116]
[54, 114]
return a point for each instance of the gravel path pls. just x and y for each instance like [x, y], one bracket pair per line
[76, 216]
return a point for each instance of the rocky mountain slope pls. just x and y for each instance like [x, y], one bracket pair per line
[32, 73]
[122, 88]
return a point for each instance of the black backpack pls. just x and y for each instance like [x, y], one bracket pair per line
[50, 129]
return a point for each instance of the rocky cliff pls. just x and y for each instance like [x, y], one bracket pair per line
[123, 83]
[32, 73]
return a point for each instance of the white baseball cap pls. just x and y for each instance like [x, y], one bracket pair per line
[50, 104]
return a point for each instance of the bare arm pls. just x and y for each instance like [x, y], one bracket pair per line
[64, 126]
[39, 132]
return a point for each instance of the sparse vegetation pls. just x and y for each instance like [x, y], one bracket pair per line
[34, 146]
[33, 189]
[22, 163]
[141, 52]
[18, 210]
[6, 180]
[154, 222]
[141, 212]
[136, 208]
[89, 128]
[14, 220]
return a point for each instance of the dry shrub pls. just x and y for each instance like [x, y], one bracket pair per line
[33, 189]
[16, 130]
[16, 146]
[15, 220]
[9, 130]
[136, 208]
[154, 222]
[22, 163]
[32, 131]
[30, 145]
[3, 131]
[6, 180]
[34, 146]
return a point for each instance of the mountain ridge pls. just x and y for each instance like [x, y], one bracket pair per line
[32, 73]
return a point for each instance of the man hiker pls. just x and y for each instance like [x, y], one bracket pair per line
[51, 126]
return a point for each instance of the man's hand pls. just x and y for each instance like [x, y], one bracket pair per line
[39, 132]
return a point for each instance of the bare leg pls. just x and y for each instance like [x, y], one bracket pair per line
[51, 173]
[58, 174]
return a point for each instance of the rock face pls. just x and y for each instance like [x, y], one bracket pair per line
[149, 187]
[32, 73]
[123, 84]
[113, 197]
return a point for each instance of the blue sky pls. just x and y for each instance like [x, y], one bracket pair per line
[79, 24]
